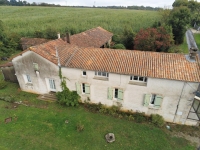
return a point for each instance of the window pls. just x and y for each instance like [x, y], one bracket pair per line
[153, 100]
[28, 78]
[138, 78]
[84, 73]
[35, 66]
[83, 88]
[101, 74]
[115, 93]
[196, 107]
[52, 84]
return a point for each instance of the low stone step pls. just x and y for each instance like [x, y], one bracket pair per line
[48, 97]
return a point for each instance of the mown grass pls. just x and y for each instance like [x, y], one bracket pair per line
[26, 20]
[197, 39]
[184, 47]
[42, 126]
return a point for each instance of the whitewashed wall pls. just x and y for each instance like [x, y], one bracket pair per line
[171, 90]
[23, 64]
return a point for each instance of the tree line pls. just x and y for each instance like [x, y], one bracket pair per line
[25, 3]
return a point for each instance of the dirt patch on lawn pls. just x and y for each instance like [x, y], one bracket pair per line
[192, 139]
[190, 133]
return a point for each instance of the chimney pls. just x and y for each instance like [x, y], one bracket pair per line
[193, 52]
[68, 37]
[58, 35]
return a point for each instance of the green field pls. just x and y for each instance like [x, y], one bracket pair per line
[26, 20]
[197, 40]
[42, 126]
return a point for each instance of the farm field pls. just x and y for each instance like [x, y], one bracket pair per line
[26, 20]
[42, 126]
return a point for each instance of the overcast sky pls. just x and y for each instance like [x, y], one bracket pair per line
[152, 3]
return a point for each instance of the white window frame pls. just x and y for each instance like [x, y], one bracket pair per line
[52, 86]
[101, 74]
[138, 79]
[83, 73]
[116, 94]
[153, 100]
[27, 78]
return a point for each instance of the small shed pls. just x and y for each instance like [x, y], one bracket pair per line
[8, 72]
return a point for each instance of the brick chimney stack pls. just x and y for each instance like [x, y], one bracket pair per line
[68, 37]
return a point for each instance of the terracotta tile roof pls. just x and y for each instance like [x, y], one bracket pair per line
[48, 50]
[141, 63]
[95, 37]
[28, 42]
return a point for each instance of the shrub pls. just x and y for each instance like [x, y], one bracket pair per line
[119, 46]
[157, 120]
[79, 127]
[3, 84]
[66, 97]
[139, 117]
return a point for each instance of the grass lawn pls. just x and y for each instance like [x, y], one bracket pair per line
[197, 39]
[42, 126]
[184, 47]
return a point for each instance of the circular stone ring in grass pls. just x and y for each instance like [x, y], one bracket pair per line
[110, 137]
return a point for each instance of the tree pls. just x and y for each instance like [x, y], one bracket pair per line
[179, 19]
[119, 46]
[8, 43]
[50, 33]
[3, 2]
[153, 39]
[194, 7]
[179, 3]
[127, 39]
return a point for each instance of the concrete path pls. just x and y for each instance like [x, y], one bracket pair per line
[190, 40]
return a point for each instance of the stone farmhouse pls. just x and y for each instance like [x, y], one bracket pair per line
[154, 83]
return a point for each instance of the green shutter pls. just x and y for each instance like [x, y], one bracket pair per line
[120, 94]
[87, 89]
[35, 65]
[110, 93]
[78, 88]
[158, 101]
[147, 98]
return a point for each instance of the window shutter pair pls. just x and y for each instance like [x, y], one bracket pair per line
[157, 103]
[79, 91]
[120, 94]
